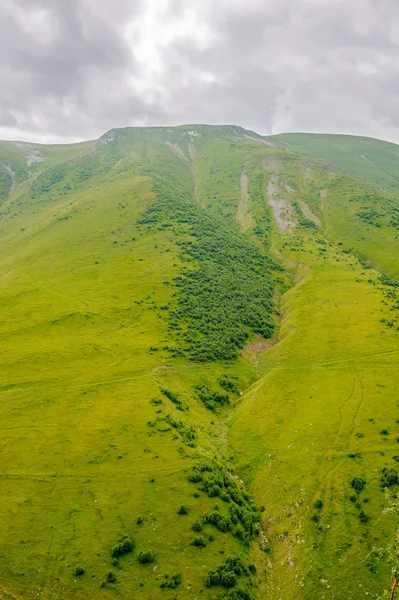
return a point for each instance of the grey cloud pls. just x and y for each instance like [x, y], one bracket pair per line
[70, 69]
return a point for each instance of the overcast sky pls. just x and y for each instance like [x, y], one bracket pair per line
[72, 69]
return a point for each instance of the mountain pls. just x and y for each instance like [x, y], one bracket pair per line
[199, 383]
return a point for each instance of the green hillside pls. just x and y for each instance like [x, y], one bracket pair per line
[199, 385]
[367, 158]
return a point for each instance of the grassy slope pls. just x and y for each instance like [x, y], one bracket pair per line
[331, 376]
[366, 158]
[79, 282]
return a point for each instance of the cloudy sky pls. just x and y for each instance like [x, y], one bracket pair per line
[71, 69]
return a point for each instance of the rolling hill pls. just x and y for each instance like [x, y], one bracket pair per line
[200, 333]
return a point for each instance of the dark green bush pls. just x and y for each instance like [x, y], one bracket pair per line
[79, 571]
[111, 577]
[318, 503]
[183, 510]
[146, 557]
[358, 483]
[197, 525]
[315, 518]
[199, 542]
[363, 517]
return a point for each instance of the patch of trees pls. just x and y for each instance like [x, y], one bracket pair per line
[242, 518]
[230, 292]
[229, 574]
[210, 398]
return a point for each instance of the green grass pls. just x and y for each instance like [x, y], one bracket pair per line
[89, 442]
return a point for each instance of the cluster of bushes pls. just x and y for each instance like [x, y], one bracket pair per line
[228, 574]
[358, 484]
[229, 294]
[371, 216]
[172, 582]
[386, 280]
[318, 504]
[228, 384]
[124, 546]
[174, 397]
[243, 516]
[211, 399]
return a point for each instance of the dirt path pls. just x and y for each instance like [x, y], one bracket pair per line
[243, 215]
[282, 209]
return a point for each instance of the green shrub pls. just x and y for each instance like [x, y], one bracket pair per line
[252, 569]
[174, 397]
[183, 510]
[318, 503]
[146, 557]
[199, 542]
[124, 546]
[358, 483]
[171, 582]
[363, 517]
[111, 577]
[315, 518]
[197, 525]
[79, 571]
